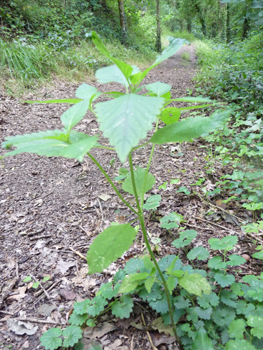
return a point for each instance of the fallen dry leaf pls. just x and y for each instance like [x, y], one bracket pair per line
[63, 266]
[20, 328]
[21, 293]
[159, 325]
[114, 346]
[67, 294]
[46, 309]
[99, 331]
[104, 197]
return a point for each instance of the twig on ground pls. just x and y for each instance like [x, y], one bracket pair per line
[33, 320]
[48, 290]
[39, 237]
[78, 253]
[6, 313]
[213, 223]
[198, 227]
[46, 293]
[148, 334]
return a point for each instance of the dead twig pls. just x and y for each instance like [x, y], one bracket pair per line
[78, 253]
[46, 293]
[212, 223]
[39, 237]
[48, 290]
[148, 334]
[33, 320]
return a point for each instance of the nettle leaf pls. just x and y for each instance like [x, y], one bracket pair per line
[216, 263]
[239, 344]
[152, 202]
[113, 74]
[125, 68]
[72, 334]
[202, 341]
[190, 128]
[256, 323]
[139, 175]
[227, 243]
[170, 115]
[235, 260]
[74, 114]
[171, 221]
[122, 308]
[158, 88]
[224, 280]
[85, 91]
[185, 238]
[237, 328]
[195, 284]
[50, 339]
[78, 320]
[198, 252]
[130, 282]
[109, 245]
[127, 119]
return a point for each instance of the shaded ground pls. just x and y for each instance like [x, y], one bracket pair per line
[51, 209]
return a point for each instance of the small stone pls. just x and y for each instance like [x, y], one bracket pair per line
[246, 256]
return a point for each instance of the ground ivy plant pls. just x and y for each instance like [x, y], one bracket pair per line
[125, 119]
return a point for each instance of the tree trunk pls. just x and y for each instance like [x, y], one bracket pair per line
[245, 28]
[158, 36]
[189, 25]
[201, 18]
[122, 21]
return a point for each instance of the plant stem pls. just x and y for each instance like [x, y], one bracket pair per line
[111, 183]
[142, 224]
[148, 167]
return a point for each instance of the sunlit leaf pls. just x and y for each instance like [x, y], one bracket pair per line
[139, 175]
[113, 74]
[85, 91]
[127, 119]
[74, 114]
[66, 100]
[108, 246]
[202, 341]
[195, 284]
[170, 115]
[158, 88]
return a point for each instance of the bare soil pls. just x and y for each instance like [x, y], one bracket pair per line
[51, 210]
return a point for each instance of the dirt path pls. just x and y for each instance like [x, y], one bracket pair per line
[51, 208]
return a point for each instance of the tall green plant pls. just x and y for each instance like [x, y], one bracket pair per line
[125, 120]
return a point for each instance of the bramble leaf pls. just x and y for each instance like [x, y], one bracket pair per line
[126, 120]
[152, 202]
[202, 341]
[198, 252]
[122, 308]
[195, 284]
[171, 221]
[50, 339]
[109, 245]
[185, 238]
[224, 280]
[72, 334]
[190, 128]
[139, 175]
[235, 260]
[237, 328]
[256, 323]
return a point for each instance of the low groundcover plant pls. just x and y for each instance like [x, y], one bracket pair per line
[202, 311]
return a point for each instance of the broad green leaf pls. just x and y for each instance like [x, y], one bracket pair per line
[78, 149]
[258, 255]
[185, 238]
[85, 91]
[45, 147]
[224, 280]
[139, 175]
[125, 68]
[97, 305]
[195, 284]
[74, 114]
[72, 334]
[108, 246]
[239, 344]
[217, 263]
[152, 202]
[191, 99]
[27, 279]
[149, 283]
[171, 221]
[48, 134]
[198, 252]
[190, 128]
[227, 243]
[113, 74]
[78, 320]
[235, 260]
[66, 100]
[202, 341]
[50, 339]
[127, 119]
[237, 328]
[174, 46]
[170, 115]
[123, 307]
[204, 314]
[158, 88]
[130, 282]
[256, 323]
